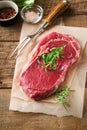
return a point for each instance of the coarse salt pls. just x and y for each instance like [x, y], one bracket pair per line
[31, 15]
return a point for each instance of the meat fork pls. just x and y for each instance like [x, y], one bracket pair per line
[58, 9]
[26, 39]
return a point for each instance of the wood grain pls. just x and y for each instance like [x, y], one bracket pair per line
[75, 20]
[76, 15]
[23, 121]
[77, 7]
[11, 33]
[6, 64]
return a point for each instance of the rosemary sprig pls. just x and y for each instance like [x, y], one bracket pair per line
[49, 61]
[63, 96]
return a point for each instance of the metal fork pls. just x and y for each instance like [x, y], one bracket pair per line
[58, 9]
[26, 39]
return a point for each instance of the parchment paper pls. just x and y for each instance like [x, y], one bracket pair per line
[76, 77]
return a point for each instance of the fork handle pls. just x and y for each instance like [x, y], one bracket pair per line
[58, 9]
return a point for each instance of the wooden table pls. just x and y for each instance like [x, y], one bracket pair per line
[9, 37]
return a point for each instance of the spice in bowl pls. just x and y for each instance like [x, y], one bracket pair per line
[32, 14]
[7, 12]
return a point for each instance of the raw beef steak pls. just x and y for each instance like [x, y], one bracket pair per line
[34, 80]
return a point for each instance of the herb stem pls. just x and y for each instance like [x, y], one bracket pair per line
[63, 95]
[49, 61]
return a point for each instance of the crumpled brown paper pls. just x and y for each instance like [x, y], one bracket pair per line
[75, 78]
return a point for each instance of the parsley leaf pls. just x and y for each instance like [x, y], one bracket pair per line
[49, 61]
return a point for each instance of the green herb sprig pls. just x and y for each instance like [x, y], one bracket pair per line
[22, 3]
[63, 96]
[49, 60]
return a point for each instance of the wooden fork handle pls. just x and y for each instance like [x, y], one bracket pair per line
[57, 10]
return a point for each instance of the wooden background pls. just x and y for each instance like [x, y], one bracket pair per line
[9, 37]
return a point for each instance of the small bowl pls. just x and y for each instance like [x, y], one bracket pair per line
[32, 14]
[11, 20]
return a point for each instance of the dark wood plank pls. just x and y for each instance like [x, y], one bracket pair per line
[11, 33]
[77, 7]
[23, 121]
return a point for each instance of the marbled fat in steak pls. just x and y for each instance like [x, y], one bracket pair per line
[34, 80]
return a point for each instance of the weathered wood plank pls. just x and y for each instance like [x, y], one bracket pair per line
[78, 7]
[6, 64]
[75, 20]
[23, 121]
[11, 33]
[75, 16]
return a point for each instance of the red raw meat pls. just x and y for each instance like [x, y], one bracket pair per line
[34, 80]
